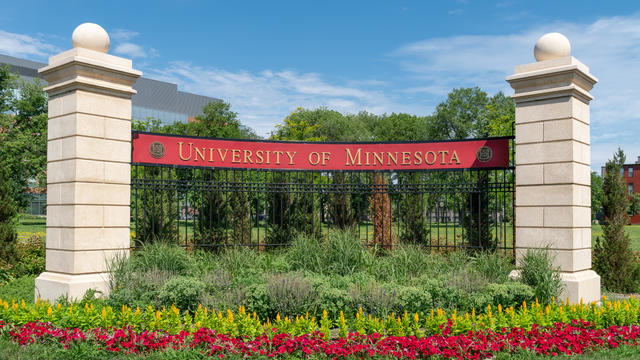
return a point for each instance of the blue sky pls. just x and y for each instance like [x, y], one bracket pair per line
[268, 57]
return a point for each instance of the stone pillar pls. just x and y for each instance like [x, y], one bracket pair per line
[88, 165]
[553, 193]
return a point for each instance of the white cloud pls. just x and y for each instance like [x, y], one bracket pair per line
[123, 34]
[24, 46]
[264, 98]
[609, 46]
[131, 50]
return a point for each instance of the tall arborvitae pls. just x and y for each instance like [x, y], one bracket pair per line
[613, 258]
[8, 213]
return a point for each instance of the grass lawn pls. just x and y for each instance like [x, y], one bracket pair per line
[32, 224]
[632, 230]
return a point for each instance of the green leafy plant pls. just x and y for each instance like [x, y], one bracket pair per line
[184, 292]
[537, 270]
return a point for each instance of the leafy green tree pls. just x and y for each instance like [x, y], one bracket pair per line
[322, 124]
[461, 116]
[7, 86]
[597, 196]
[218, 121]
[23, 134]
[613, 257]
[500, 113]
[8, 234]
[469, 112]
[218, 211]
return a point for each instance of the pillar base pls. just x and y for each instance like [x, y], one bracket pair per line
[582, 285]
[51, 286]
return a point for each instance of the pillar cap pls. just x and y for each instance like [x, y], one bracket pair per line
[551, 46]
[91, 36]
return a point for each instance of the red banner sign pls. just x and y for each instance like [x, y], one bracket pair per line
[216, 153]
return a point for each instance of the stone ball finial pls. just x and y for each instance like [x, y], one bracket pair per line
[91, 36]
[550, 46]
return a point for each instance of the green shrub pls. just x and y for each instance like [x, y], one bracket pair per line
[184, 292]
[510, 293]
[30, 256]
[413, 299]
[442, 294]
[538, 272]
[332, 295]
[259, 301]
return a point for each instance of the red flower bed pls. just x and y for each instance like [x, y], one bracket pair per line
[572, 338]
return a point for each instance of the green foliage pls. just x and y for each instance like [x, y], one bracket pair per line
[8, 221]
[23, 139]
[279, 211]
[30, 257]
[332, 299]
[7, 84]
[155, 209]
[597, 196]
[259, 300]
[20, 288]
[163, 256]
[341, 210]
[219, 121]
[613, 258]
[184, 292]
[138, 280]
[537, 271]
[336, 273]
[493, 266]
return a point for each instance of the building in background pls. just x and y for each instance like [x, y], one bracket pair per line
[631, 174]
[155, 99]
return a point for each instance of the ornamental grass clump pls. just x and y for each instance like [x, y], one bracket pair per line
[537, 271]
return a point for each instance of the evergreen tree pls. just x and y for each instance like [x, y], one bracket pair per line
[8, 234]
[613, 258]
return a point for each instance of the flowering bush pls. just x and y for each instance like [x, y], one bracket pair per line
[242, 323]
[573, 338]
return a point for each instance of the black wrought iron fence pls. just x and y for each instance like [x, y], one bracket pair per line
[211, 208]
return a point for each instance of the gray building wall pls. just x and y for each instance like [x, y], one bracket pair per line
[157, 99]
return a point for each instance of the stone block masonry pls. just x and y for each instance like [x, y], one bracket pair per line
[88, 165]
[553, 158]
